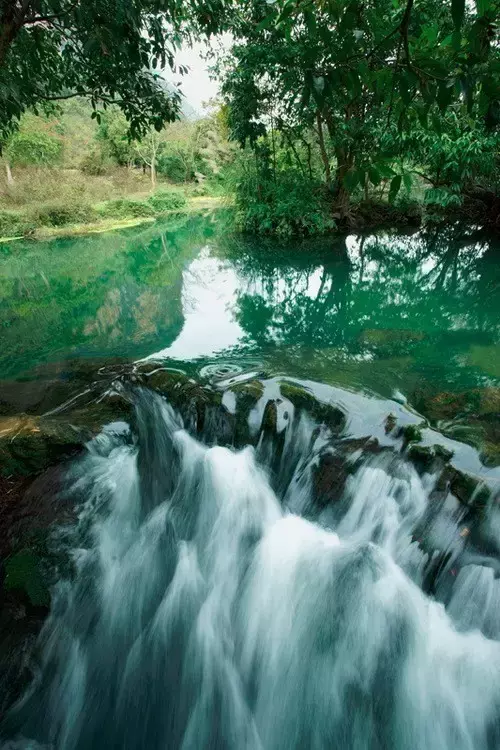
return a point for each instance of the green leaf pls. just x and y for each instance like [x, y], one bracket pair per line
[444, 96]
[351, 179]
[408, 181]
[374, 176]
[457, 13]
[394, 189]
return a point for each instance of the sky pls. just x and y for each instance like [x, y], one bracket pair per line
[196, 85]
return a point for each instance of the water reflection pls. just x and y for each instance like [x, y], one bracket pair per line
[382, 311]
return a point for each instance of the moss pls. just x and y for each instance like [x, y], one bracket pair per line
[412, 433]
[421, 455]
[270, 418]
[466, 488]
[444, 453]
[23, 574]
[490, 454]
[301, 398]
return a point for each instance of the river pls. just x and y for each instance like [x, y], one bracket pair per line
[301, 568]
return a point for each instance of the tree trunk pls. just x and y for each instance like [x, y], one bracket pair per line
[10, 179]
[341, 194]
[153, 172]
[324, 155]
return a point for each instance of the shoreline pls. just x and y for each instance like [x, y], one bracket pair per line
[42, 233]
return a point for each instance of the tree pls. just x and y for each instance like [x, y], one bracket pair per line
[357, 74]
[109, 51]
[147, 151]
[34, 144]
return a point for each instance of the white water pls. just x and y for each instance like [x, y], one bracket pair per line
[205, 614]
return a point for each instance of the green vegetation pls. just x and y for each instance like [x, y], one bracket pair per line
[67, 170]
[365, 104]
[107, 51]
[347, 113]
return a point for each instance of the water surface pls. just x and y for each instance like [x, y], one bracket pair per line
[383, 312]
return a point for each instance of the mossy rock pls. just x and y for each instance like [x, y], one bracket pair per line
[422, 456]
[468, 489]
[330, 415]
[270, 418]
[247, 394]
[490, 454]
[23, 574]
[412, 433]
[28, 445]
[390, 423]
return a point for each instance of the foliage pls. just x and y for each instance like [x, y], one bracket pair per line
[167, 201]
[108, 51]
[36, 143]
[285, 206]
[357, 77]
[126, 207]
[61, 213]
[12, 224]
[94, 163]
[157, 203]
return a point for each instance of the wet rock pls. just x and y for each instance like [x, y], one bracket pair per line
[329, 414]
[329, 478]
[424, 457]
[412, 433]
[23, 574]
[390, 423]
[270, 418]
[468, 489]
[29, 444]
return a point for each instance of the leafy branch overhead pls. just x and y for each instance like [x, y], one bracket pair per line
[361, 75]
[109, 51]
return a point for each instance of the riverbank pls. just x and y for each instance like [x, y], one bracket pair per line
[108, 216]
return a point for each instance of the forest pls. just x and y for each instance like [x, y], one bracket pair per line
[332, 114]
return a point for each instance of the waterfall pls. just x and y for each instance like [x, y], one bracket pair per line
[212, 607]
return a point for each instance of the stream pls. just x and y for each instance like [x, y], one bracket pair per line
[291, 540]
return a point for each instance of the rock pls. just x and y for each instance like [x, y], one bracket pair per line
[468, 489]
[270, 418]
[390, 423]
[29, 444]
[23, 574]
[412, 433]
[423, 456]
[328, 414]
[329, 478]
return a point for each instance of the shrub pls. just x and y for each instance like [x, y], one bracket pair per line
[13, 224]
[291, 206]
[125, 207]
[167, 201]
[94, 163]
[60, 213]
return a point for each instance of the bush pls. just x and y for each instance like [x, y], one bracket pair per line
[167, 201]
[124, 208]
[13, 224]
[175, 164]
[60, 213]
[94, 163]
[291, 206]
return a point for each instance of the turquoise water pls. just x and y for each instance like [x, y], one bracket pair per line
[382, 312]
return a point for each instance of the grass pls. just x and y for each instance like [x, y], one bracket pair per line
[55, 202]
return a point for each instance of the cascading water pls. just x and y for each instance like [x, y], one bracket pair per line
[205, 611]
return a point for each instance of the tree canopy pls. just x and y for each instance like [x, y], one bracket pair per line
[109, 51]
[362, 76]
